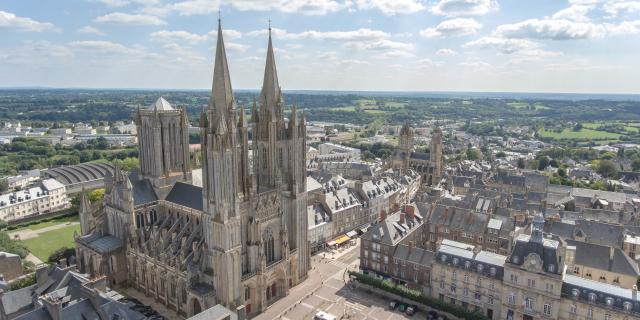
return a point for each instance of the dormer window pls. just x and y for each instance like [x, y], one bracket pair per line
[592, 297]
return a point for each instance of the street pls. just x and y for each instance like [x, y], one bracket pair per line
[325, 290]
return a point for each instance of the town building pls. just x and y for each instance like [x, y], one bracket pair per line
[49, 196]
[471, 278]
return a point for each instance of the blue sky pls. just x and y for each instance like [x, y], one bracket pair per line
[426, 45]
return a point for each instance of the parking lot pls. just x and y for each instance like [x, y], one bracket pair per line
[326, 290]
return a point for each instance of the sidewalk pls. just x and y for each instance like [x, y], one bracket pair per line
[29, 234]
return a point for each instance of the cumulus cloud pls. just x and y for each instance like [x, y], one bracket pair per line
[454, 8]
[444, 52]
[392, 7]
[179, 35]
[428, 63]
[360, 39]
[204, 7]
[452, 28]
[10, 21]
[122, 3]
[90, 30]
[614, 8]
[121, 18]
[504, 45]
[556, 29]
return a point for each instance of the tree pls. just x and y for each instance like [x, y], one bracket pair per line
[96, 195]
[473, 154]
[543, 163]
[577, 127]
[4, 185]
[500, 154]
[607, 168]
[521, 163]
[635, 164]
[3, 224]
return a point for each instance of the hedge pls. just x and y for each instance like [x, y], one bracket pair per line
[417, 296]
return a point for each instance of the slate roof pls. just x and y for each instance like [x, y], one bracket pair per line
[486, 263]
[17, 300]
[414, 255]
[599, 257]
[186, 195]
[142, 190]
[593, 231]
[101, 244]
[547, 251]
[391, 231]
[598, 293]
[161, 105]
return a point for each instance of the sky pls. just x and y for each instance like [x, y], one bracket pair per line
[574, 46]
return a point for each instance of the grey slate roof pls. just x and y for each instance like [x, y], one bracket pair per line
[599, 257]
[101, 244]
[414, 255]
[603, 294]
[186, 195]
[142, 190]
[391, 231]
[17, 300]
[484, 262]
[547, 251]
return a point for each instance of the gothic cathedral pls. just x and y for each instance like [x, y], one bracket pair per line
[239, 239]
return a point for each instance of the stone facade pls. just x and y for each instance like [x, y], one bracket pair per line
[240, 240]
[428, 165]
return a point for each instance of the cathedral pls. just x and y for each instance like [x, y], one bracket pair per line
[428, 165]
[240, 238]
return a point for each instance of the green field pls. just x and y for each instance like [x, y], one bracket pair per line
[585, 133]
[50, 241]
[56, 221]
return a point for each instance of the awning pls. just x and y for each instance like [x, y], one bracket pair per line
[342, 239]
[330, 243]
[352, 234]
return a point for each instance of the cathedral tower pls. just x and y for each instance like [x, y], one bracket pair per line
[163, 144]
[225, 174]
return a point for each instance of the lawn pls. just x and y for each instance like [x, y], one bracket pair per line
[50, 241]
[585, 133]
[44, 224]
[347, 109]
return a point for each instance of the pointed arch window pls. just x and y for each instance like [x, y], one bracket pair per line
[269, 251]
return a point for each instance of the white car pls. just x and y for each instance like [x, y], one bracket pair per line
[324, 316]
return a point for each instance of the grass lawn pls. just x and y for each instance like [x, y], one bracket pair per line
[50, 241]
[585, 133]
[61, 220]
[394, 104]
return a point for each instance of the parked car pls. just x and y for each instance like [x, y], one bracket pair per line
[411, 310]
[393, 305]
[432, 315]
[402, 307]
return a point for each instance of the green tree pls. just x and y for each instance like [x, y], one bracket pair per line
[635, 164]
[577, 127]
[521, 163]
[607, 168]
[473, 154]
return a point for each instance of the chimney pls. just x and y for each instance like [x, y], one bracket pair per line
[634, 292]
[410, 210]
[241, 312]
[611, 253]
[383, 215]
[401, 217]
[446, 213]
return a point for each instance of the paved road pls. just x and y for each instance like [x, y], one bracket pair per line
[325, 290]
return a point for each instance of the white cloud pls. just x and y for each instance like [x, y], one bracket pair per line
[382, 44]
[228, 33]
[130, 19]
[506, 46]
[122, 3]
[475, 64]
[560, 29]
[444, 52]
[106, 47]
[575, 12]
[90, 30]
[623, 28]
[392, 7]
[171, 36]
[232, 46]
[614, 8]
[10, 21]
[452, 28]
[428, 63]
[454, 8]
[204, 7]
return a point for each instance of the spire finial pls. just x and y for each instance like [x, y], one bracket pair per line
[269, 26]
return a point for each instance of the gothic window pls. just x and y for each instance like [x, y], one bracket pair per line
[269, 248]
[264, 158]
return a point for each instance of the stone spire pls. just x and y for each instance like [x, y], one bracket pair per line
[271, 93]
[221, 92]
